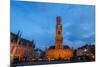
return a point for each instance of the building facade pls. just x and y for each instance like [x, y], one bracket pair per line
[59, 52]
[86, 51]
[20, 48]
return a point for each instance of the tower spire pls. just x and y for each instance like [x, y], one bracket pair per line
[59, 36]
[58, 20]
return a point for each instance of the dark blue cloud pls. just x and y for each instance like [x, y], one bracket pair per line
[38, 20]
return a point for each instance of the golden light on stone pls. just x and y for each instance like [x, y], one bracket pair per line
[59, 52]
[19, 50]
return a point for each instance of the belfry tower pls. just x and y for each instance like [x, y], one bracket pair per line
[60, 52]
[59, 36]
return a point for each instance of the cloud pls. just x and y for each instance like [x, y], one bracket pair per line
[87, 35]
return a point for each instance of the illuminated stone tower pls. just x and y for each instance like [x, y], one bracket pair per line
[59, 36]
[59, 51]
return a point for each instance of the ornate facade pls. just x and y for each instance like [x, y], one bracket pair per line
[59, 51]
[20, 48]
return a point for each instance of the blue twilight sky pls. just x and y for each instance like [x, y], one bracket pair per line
[37, 20]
